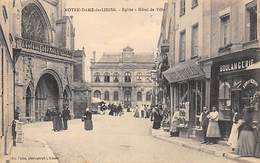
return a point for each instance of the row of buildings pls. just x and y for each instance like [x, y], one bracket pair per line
[39, 66]
[209, 55]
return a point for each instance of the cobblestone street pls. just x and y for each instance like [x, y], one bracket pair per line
[114, 139]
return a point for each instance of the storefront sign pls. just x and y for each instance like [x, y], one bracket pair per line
[240, 65]
[251, 81]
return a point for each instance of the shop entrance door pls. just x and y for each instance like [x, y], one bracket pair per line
[127, 99]
[235, 100]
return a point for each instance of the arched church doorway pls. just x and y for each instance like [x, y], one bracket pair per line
[47, 95]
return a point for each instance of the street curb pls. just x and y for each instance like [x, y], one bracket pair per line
[229, 156]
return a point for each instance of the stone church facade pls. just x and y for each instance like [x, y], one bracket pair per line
[123, 78]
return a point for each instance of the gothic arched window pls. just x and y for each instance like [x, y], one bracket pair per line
[34, 26]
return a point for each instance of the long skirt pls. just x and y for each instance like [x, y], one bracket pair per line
[137, 115]
[257, 150]
[173, 127]
[233, 137]
[213, 130]
[156, 124]
[88, 124]
[59, 125]
[257, 147]
[246, 143]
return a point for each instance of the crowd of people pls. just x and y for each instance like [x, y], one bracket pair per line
[142, 111]
[59, 119]
[115, 110]
[244, 138]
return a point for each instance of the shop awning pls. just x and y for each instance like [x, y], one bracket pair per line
[254, 66]
[184, 71]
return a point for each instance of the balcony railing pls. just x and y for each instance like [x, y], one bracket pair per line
[41, 47]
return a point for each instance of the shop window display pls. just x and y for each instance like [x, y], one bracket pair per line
[224, 100]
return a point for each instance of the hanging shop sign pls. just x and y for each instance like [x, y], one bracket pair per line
[251, 81]
[235, 66]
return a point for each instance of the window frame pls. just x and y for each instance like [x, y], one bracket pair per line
[127, 77]
[106, 96]
[182, 7]
[116, 76]
[95, 93]
[194, 3]
[249, 7]
[225, 30]
[182, 46]
[106, 77]
[194, 55]
[139, 96]
[97, 76]
[116, 96]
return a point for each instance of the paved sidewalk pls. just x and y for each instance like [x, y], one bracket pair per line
[31, 151]
[219, 150]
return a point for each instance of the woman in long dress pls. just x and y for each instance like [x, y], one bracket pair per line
[233, 137]
[213, 132]
[257, 147]
[174, 123]
[88, 124]
[246, 138]
[157, 119]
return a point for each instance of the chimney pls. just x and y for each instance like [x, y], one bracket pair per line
[94, 57]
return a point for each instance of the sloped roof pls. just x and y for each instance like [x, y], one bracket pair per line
[138, 58]
[110, 58]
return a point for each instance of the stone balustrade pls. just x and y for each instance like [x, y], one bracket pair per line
[41, 47]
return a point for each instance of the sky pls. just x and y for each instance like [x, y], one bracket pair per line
[110, 32]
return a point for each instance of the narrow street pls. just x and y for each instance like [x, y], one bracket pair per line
[114, 139]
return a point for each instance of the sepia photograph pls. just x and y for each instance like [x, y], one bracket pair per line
[129, 81]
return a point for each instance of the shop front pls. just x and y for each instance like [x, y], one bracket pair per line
[237, 86]
[188, 90]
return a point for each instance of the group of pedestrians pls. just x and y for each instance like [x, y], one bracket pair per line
[59, 119]
[242, 139]
[142, 112]
[115, 110]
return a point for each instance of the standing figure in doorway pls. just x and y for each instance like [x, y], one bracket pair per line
[213, 131]
[88, 125]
